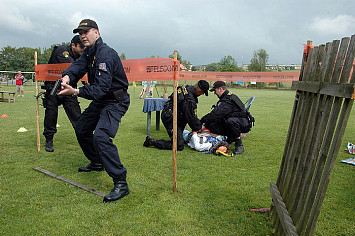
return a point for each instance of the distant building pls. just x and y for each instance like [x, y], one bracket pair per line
[278, 67]
[268, 67]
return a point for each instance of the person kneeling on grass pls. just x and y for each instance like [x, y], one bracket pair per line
[229, 117]
[187, 99]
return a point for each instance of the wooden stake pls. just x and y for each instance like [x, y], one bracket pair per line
[37, 110]
[69, 181]
[175, 124]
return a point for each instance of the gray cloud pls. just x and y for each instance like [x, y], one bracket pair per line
[202, 31]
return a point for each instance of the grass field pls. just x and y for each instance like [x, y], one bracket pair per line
[215, 194]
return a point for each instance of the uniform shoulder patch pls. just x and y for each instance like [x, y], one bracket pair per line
[102, 66]
[66, 54]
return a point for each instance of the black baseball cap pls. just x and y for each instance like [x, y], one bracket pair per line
[86, 24]
[76, 39]
[204, 86]
[217, 84]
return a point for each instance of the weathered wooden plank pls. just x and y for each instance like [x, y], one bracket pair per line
[326, 143]
[330, 89]
[308, 137]
[325, 60]
[307, 71]
[285, 219]
[340, 59]
[353, 79]
[337, 140]
[314, 64]
[69, 181]
[349, 60]
[274, 219]
[289, 157]
[285, 175]
[331, 61]
[299, 179]
[295, 156]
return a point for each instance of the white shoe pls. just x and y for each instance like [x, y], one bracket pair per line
[18, 95]
[23, 95]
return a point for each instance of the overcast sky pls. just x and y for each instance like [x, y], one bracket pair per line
[202, 31]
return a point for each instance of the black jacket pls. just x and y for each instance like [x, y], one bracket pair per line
[229, 105]
[60, 54]
[187, 107]
[105, 72]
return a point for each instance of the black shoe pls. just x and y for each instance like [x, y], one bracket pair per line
[149, 141]
[91, 167]
[49, 145]
[239, 150]
[119, 191]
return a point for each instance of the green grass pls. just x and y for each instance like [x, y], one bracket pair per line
[214, 193]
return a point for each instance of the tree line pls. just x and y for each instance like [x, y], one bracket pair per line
[14, 59]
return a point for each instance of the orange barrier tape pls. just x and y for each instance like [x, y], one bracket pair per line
[268, 77]
[52, 72]
[136, 69]
[152, 69]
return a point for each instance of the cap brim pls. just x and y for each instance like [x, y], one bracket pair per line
[212, 89]
[86, 28]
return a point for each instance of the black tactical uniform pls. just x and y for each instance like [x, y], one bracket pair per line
[228, 118]
[60, 54]
[99, 123]
[186, 114]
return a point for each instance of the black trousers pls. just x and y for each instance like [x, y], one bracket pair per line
[167, 119]
[232, 127]
[95, 129]
[71, 107]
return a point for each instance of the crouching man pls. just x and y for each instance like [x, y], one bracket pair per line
[229, 117]
[186, 114]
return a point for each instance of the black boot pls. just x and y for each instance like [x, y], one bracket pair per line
[49, 145]
[119, 191]
[239, 148]
[91, 167]
[149, 141]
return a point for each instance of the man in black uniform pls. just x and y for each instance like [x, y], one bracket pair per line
[229, 117]
[99, 123]
[186, 114]
[61, 54]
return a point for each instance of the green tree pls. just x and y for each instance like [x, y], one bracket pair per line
[123, 56]
[259, 60]
[186, 63]
[7, 58]
[212, 67]
[228, 63]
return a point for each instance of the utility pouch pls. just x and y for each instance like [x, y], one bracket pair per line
[119, 94]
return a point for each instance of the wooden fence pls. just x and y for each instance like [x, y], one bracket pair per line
[323, 102]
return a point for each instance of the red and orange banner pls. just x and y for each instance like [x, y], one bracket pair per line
[268, 77]
[52, 72]
[149, 69]
[154, 69]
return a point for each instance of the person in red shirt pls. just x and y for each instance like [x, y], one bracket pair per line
[19, 78]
